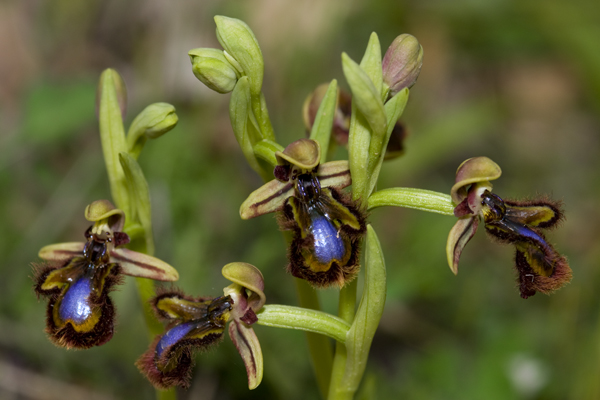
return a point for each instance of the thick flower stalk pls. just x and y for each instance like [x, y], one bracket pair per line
[198, 323]
[326, 223]
[78, 276]
[540, 267]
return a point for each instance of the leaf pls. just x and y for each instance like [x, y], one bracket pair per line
[393, 110]
[112, 135]
[365, 95]
[370, 310]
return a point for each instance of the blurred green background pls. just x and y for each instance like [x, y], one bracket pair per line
[515, 80]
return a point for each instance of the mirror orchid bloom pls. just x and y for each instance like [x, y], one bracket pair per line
[197, 323]
[540, 267]
[77, 277]
[327, 225]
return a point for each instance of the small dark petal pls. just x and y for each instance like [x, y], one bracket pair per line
[121, 238]
[249, 317]
[341, 121]
[395, 147]
[462, 210]
[282, 173]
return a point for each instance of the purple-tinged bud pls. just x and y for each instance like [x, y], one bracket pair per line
[341, 120]
[402, 63]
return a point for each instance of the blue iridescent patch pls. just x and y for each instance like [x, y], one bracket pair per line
[173, 336]
[75, 305]
[328, 244]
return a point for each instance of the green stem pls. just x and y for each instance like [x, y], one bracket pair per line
[259, 107]
[346, 311]
[289, 317]
[266, 149]
[146, 291]
[418, 199]
[319, 346]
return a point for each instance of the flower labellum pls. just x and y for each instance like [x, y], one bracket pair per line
[327, 224]
[78, 276]
[198, 323]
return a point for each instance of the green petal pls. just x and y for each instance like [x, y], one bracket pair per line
[248, 346]
[249, 277]
[303, 153]
[459, 236]
[144, 266]
[104, 209]
[473, 170]
[268, 198]
[61, 251]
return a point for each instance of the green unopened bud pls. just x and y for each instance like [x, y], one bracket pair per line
[212, 68]
[156, 120]
[240, 43]
[402, 63]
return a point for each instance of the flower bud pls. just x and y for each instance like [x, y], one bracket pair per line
[153, 122]
[402, 63]
[212, 68]
[341, 120]
[239, 42]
